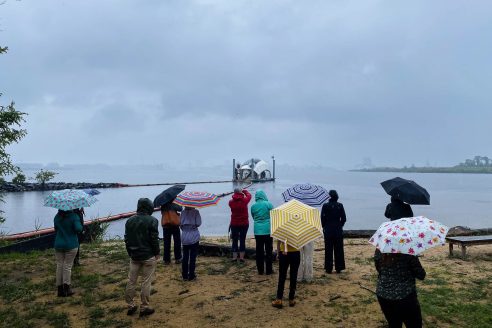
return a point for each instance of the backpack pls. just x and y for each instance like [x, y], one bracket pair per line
[170, 218]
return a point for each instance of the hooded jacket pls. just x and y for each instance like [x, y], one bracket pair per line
[141, 232]
[67, 225]
[333, 217]
[239, 208]
[397, 209]
[260, 211]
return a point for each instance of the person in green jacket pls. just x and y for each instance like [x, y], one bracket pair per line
[260, 211]
[142, 245]
[67, 226]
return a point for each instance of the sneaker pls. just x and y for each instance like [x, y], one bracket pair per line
[178, 261]
[192, 279]
[132, 310]
[146, 311]
[277, 303]
[167, 262]
[242, 261]
[292, 303]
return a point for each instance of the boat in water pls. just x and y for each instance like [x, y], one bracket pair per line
[254, 170]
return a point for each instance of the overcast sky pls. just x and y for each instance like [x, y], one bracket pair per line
[312, 82]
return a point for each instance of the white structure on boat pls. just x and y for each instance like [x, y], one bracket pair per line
[254, 169]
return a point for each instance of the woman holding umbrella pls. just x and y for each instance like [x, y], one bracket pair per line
[67, 226]
[397, 245]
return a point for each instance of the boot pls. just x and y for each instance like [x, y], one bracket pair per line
[68, 291]
[234, 256]
[61, 292]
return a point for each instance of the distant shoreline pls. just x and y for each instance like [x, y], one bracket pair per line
[455, 169]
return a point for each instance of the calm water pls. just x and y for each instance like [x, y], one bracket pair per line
[456, 199]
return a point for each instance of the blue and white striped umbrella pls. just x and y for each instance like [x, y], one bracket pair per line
[69, 199]
[91, 191]
[309, 194]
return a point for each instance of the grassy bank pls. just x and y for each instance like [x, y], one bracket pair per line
[456, 293]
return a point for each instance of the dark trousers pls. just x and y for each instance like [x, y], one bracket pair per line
[292, 259]
[334, 245]
[174, 232]
[238, 234]
[190, 253]
[405, 311]
[264, 250]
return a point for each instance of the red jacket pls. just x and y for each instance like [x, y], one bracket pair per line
[239, 209]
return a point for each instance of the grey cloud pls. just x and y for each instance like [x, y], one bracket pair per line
[377, 74]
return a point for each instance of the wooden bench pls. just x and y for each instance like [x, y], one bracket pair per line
[465, 241]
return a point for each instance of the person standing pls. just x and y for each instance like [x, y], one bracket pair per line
[260, 212]
[397, 209]
[142, 245]
[190, 221]
[67, 226]
[396, 291]
[239, 222]
[288, 257]
[305, 272]
[170, 222]
[332, 220]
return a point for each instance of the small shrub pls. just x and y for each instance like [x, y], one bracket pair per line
[19, 179]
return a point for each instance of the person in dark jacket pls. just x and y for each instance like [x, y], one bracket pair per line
[67, 226]
[396, 291]
[332, 220]
[142, 245]
[239, 222]
[260, 211]
[397, 209]
[170, 229]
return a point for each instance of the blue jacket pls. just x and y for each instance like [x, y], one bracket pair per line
[260, 211]
[67, 225]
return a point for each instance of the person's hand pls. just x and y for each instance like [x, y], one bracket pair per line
[284, 252]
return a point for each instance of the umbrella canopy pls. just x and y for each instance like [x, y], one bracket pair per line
[69, 199]
[198, 199]
[168, 195]
[406, 190]
[92, 192]
[295, 223]
[409, 235]
[307, 193]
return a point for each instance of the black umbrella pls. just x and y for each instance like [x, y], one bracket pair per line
[168, 195]
[407, 191]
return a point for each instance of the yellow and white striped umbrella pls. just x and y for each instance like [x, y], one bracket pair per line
[295, 223]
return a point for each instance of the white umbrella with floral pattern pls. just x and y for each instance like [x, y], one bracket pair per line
[409, 235]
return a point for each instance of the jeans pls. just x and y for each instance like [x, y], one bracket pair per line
[190, 253]
[405, 311]
[148, 268]
[264, 249]
[170, 231]
[239, 234]
[64, 263]
[292, 259]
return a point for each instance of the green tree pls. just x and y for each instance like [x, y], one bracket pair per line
[44, 176]
[19, 179]
[10, 132]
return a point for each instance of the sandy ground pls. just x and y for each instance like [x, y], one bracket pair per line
[234, 295]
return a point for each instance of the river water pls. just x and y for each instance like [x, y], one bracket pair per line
[456, 199]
